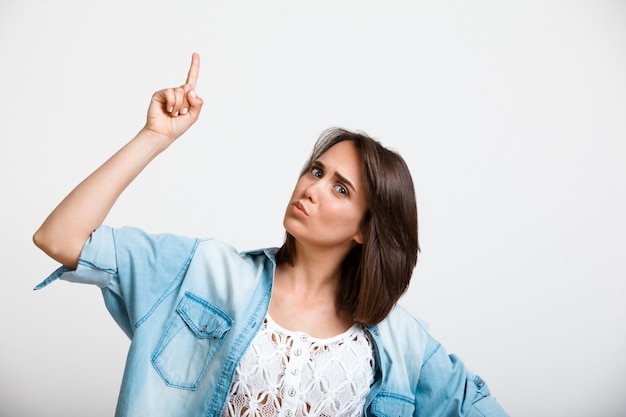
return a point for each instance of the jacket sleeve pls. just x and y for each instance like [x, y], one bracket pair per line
[446, 388]
[134, 269]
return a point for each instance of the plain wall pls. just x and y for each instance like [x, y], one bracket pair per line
[511, 116]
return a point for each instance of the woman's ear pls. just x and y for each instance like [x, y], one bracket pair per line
[358, 238]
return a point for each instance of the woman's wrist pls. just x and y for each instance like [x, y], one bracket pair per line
[154, 142]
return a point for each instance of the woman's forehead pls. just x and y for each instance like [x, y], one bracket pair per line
[344, 153]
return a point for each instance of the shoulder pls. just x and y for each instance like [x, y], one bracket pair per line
[218, 264]
[211, 248]
[399, 321]
[403, 335]
[169, 253]
[138, 239]
[135, 246]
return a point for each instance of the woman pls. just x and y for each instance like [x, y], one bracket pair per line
[310, 329]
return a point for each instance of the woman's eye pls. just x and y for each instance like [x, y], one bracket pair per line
[316, 172]
[341, 190]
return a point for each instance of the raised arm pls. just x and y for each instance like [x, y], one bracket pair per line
[171, 112]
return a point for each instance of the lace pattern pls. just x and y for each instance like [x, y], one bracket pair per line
[291, 374]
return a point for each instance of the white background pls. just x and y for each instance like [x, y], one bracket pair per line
[511, 116]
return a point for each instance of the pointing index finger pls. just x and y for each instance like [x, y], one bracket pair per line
[194, 70]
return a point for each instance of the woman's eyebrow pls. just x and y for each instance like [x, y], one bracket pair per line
[320, 164]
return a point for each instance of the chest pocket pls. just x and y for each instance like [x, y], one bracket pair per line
[190, 342]
[392, 405]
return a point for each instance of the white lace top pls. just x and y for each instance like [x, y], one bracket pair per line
[291, 374]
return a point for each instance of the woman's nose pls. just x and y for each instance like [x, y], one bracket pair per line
[311, 191]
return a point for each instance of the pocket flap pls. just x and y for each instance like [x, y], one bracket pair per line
[387, 404]
[203, 318]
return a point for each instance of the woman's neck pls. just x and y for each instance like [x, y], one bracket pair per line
[309, 279]
[305, 294]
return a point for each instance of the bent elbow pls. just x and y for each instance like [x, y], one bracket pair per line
[39, 240]
[59, 251]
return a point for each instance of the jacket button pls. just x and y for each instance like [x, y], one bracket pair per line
[480, 383]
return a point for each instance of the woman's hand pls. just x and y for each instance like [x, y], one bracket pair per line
[173, 110]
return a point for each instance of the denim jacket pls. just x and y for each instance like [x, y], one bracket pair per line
[191, 307]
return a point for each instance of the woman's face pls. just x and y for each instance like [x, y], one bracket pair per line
[328, 202]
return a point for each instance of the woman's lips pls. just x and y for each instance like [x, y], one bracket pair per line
[299, 208]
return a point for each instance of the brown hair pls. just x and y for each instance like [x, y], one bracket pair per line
[376, 273]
